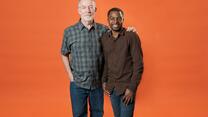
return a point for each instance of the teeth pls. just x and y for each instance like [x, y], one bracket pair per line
[115, 25]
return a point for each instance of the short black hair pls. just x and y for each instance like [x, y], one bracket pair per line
[115, 9]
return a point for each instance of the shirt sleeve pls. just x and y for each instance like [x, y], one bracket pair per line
[65, 48]
[105, 70]
[137, 56]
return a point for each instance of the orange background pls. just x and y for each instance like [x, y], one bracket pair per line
[174, 38]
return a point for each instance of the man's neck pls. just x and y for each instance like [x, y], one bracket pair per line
[115, 34]
[87, 24]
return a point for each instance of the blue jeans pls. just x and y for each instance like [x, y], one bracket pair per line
[119, 108]
[79, 97]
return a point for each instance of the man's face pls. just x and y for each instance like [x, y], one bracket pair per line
[115, 20]
[87, 10]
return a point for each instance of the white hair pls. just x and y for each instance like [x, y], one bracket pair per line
[94, 3]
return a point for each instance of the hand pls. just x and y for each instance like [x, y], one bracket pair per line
[104, 88]
[70, 76]
[128, 97]
[133, 29]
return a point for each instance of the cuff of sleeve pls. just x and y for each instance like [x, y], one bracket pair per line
[64, 52]
[133, 87]
[104, 79]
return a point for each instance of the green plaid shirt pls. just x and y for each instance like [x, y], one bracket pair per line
[85, 49]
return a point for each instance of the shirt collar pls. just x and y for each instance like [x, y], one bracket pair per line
[121, 32]
[81, 25]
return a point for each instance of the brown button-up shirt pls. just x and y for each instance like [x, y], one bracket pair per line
[123, 61]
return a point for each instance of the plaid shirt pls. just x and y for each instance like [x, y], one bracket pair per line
[84, 46]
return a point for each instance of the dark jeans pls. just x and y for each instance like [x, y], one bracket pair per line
[79, 97]
[119, 108]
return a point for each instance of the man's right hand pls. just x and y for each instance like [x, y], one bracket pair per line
[104, 88]
[71, 78]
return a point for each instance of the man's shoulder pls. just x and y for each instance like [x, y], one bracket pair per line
[107, 33]
[105, 36]
[131, 34]
[72, 28]
[101, 26]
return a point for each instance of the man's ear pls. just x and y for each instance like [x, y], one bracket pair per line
[95, 9]
[122, 18]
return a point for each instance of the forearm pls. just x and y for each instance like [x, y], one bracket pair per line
[66, 62]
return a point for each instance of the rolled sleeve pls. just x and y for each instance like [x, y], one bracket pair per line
[65, 48]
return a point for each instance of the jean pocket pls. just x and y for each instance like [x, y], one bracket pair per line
[72, 82]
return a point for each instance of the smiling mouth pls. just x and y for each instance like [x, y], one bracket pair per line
[115, 26]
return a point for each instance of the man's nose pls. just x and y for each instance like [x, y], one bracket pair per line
[89, 9]
[115, 20]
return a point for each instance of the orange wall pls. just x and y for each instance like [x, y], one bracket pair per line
[174, 38]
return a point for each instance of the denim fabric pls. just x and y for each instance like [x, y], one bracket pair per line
[79, 97]
[119, 108]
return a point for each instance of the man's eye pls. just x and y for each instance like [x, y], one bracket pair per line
[83, 7]
[119, 18]
[111, 18]
[91, 7]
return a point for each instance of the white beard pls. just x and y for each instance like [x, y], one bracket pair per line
[87, 18]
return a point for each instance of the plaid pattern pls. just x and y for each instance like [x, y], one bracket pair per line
[85, 49]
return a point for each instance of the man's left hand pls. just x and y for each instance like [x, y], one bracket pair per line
[133, 29]
[128, 97]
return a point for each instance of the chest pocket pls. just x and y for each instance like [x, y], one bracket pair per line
[81, 45]
[86, 42]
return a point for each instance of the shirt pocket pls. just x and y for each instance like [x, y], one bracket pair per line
[78, 46]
